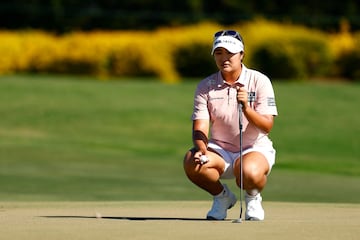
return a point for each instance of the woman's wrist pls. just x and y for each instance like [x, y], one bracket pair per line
[202, 149]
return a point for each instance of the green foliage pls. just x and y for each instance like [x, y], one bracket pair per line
[294, 58]
[281, 51]
[314, 53]
[68, 15]
[277, 61]
[194, 60]
[348, 64]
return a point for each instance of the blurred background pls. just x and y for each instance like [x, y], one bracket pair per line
[310, 39]
[85, 114]
[65, 15]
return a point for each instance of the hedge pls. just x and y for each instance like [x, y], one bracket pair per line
[281, 51]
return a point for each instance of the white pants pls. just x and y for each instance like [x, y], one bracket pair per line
[230, 157]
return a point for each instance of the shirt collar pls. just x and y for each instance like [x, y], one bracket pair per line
[242, 78]
[240, 81]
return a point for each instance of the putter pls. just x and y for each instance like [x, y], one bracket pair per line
[241, 161]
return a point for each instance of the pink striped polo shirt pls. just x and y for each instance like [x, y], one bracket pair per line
[215, 100]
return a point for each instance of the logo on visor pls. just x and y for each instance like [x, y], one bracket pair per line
[225, 41]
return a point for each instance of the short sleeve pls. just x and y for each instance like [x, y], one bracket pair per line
[265, 103]
[200, 110]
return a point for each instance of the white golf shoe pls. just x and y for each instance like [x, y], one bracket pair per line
[254, 210]
[221, 204]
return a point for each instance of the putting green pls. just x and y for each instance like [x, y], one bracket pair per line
[173, 220]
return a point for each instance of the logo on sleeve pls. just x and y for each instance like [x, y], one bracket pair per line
[271, 102]
[251, 97]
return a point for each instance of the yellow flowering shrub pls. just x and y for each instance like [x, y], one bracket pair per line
[159, 53]
[10, 50]
[346, 48]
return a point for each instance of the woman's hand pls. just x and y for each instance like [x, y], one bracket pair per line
[200, 158]
[242, 96]
[264, 122]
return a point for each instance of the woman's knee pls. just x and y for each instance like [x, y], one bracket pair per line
[189, 157]
[255, 167]
[189, 163]
[251, 170]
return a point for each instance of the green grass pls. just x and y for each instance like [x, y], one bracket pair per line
[65, 139]
[317, 129]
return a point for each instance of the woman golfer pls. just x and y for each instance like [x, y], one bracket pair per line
[216, 131]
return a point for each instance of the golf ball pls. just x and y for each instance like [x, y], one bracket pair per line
[203, 159]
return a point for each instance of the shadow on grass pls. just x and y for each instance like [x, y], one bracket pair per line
[133, 218]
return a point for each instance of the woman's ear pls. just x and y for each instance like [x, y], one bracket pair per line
[242, 55]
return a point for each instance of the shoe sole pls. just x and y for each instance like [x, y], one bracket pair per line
[253, 219]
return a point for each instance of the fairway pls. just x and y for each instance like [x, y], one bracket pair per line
[81, 139]
[174, 220]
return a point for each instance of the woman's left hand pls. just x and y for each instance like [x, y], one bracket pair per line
[242, 95]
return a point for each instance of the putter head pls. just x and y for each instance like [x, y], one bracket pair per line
[237, 220]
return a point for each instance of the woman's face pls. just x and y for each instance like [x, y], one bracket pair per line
[227, 61]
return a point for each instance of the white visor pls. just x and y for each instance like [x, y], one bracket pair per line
[230, 43]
